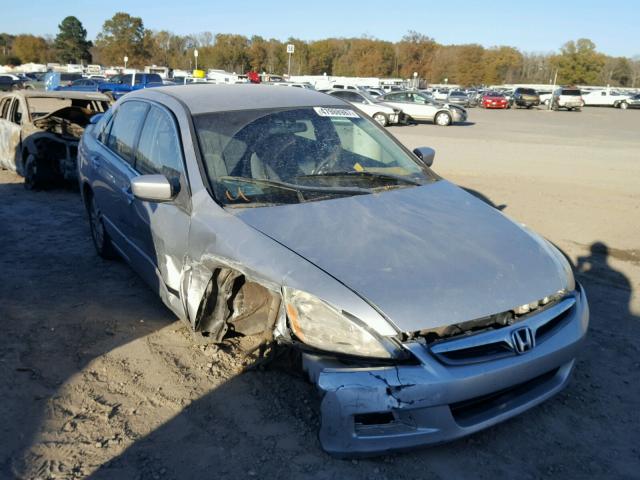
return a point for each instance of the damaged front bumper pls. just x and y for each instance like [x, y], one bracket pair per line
[377, 409]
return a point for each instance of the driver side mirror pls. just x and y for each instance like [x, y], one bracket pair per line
[426, 154]
[153, 188]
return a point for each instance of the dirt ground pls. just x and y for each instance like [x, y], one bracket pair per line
[98, 379]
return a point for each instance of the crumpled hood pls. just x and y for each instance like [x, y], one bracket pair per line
[427, 256]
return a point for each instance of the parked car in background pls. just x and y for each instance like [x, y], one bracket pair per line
[603, 98]
[39, 133]
[545, 96]
[375, 92]
[440, 94]
[382, 113]
[67, 79]
[83, 85]
[121, 84]
[567, 97]
[458, 97]
[632, 102]
[10, 82]
[508, 94]
[420, 107]
[271, 215]
[342, 86]
[525, 97]
[295, 85]
[494, 99]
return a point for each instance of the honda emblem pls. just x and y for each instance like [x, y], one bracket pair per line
[522, 340]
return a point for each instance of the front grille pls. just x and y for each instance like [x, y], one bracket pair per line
[477, 409]
[496, 342]
[478, 353]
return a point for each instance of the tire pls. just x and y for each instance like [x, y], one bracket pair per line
[381, 118]
[38, 174]
[99, 235]
[623, 105]
[443, 119]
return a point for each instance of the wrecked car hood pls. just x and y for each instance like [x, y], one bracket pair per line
[426, 256]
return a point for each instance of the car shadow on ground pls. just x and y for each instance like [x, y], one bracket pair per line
[60, 303]
[61, 307]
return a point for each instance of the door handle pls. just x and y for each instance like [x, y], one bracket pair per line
[128, 194]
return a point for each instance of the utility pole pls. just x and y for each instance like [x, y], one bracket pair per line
[291, 48]
[555, 79]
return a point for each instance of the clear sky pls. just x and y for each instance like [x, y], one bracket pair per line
[533, 26]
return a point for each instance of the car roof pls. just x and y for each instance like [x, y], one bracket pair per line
[63, 94]
[207, 98]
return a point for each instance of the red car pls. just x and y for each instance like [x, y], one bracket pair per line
[494, 100]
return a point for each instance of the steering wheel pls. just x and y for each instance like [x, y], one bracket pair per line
[330, 159]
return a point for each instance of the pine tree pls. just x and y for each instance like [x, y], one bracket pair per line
[71, 42]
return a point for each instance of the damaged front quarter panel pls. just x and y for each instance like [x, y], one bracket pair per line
[224, 299]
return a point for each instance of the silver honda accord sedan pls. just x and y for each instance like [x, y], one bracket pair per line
[286, 216]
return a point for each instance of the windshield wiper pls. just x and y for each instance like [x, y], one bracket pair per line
[299, 189]
[365, 173]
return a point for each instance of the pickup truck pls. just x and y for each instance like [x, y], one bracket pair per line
[605, 98]
[120, 84]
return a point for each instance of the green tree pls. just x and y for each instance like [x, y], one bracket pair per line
[502, 65]
[71, 42]
[122, 35]
[470, 63]
[30, 48]
[414, 54]
[579, 62]
[322, 55]
[257, 53]
[5, 43]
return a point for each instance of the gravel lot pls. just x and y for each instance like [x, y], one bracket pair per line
[99, 380]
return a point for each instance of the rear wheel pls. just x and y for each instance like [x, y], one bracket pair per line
[443, 119]
[99, 235]
[381, 118]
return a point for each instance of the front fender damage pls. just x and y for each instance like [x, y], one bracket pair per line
[223, 299]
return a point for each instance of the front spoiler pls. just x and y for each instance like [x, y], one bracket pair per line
[368, 411]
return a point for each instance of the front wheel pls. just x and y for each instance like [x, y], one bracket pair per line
[381, 118]
[99, 235]
[624, 105]
[37, 173]
[443, 119]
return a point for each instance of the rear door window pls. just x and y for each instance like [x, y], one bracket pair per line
[126, 125]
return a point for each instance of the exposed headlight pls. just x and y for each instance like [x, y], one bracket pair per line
[320, 325]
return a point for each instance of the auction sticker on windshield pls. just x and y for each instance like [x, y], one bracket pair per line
[336, 112]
